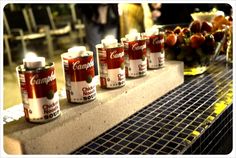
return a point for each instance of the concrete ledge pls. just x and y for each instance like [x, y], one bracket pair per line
[81, 123]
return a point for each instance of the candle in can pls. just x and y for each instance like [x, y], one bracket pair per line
[136, 60]
[109, 42]
[38, 90]
[78, 65]
[32, 61]
[155, 49]
[111, 64]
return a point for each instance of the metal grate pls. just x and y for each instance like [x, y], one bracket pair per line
[173, 123]
[210, 140]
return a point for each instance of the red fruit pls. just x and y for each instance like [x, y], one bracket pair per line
[204, 33]
[196, 40]
[195, 26]
[209, 40]
[206, 26]
[218, 35]
[185, 31]
[171, 39]
[177, 30]
[229, 18]
[219, 21]
[180, 38]
[167, 32]
[209, 44]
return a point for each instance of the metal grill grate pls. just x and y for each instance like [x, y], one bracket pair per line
[173, 123]
[209, 142]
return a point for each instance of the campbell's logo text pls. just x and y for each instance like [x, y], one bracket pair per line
[137, 47]
[157, 41]
[35, 80]
[78, 66]
[114, 55]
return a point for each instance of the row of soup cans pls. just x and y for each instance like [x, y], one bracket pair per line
[117, 61]
[130, 58]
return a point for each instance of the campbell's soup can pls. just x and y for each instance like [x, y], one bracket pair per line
[111, 66]
[155, 53]
[136, 64]
[126, 55]
[39, 93]
[79, 77]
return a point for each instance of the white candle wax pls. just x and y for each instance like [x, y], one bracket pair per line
[109, 42]
[34, 62]
[133, 36]
[76, 51]
[152, 31]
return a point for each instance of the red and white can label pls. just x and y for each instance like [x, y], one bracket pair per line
[79, 78]
[136, 64]
[126, 56]
[112, 67]
[155, 53]
[39, 94]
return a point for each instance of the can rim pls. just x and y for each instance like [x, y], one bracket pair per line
[68, 55]
[22, 68]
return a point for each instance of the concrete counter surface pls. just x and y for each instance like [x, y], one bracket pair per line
[80, 123]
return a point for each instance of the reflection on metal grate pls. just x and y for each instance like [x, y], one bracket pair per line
[173, 123]
[209, 142]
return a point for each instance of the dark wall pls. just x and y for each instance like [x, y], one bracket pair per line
[173, 13]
